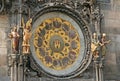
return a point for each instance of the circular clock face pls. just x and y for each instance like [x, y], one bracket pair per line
[58, 44]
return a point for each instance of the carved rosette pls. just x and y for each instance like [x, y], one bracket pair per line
[60, 42]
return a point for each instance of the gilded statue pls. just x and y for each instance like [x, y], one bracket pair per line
[103, 44]
[15, 39]
[28, 24]
[95, 46]
[26, 36]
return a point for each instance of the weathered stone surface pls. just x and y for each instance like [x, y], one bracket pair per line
[3, 48]
[111, 26]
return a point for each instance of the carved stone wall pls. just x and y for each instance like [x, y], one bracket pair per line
[110, 25]
[3, 47]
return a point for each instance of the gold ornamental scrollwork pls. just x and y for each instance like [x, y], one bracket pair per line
[56, 43]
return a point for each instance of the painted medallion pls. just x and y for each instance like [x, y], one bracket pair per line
[56, 43]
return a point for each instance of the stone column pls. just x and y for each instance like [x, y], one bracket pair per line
[101, 78]
[20, 30]
[20, 69]
[11, 77]
[15, 71]
[100, 74]
[14, 67]
[25, 60]
[96, 71]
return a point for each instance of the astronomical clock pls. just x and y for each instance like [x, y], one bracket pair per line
[60, 42]
[54, 39]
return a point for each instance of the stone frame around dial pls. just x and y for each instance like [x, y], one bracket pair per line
[86, 51]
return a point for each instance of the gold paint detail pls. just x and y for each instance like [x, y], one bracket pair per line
[56, 43]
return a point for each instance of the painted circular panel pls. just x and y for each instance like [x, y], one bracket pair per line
[58, 43]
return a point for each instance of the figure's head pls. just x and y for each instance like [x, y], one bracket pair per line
[30, 20]
[104, 35]
[94, 35]
[15, 29]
